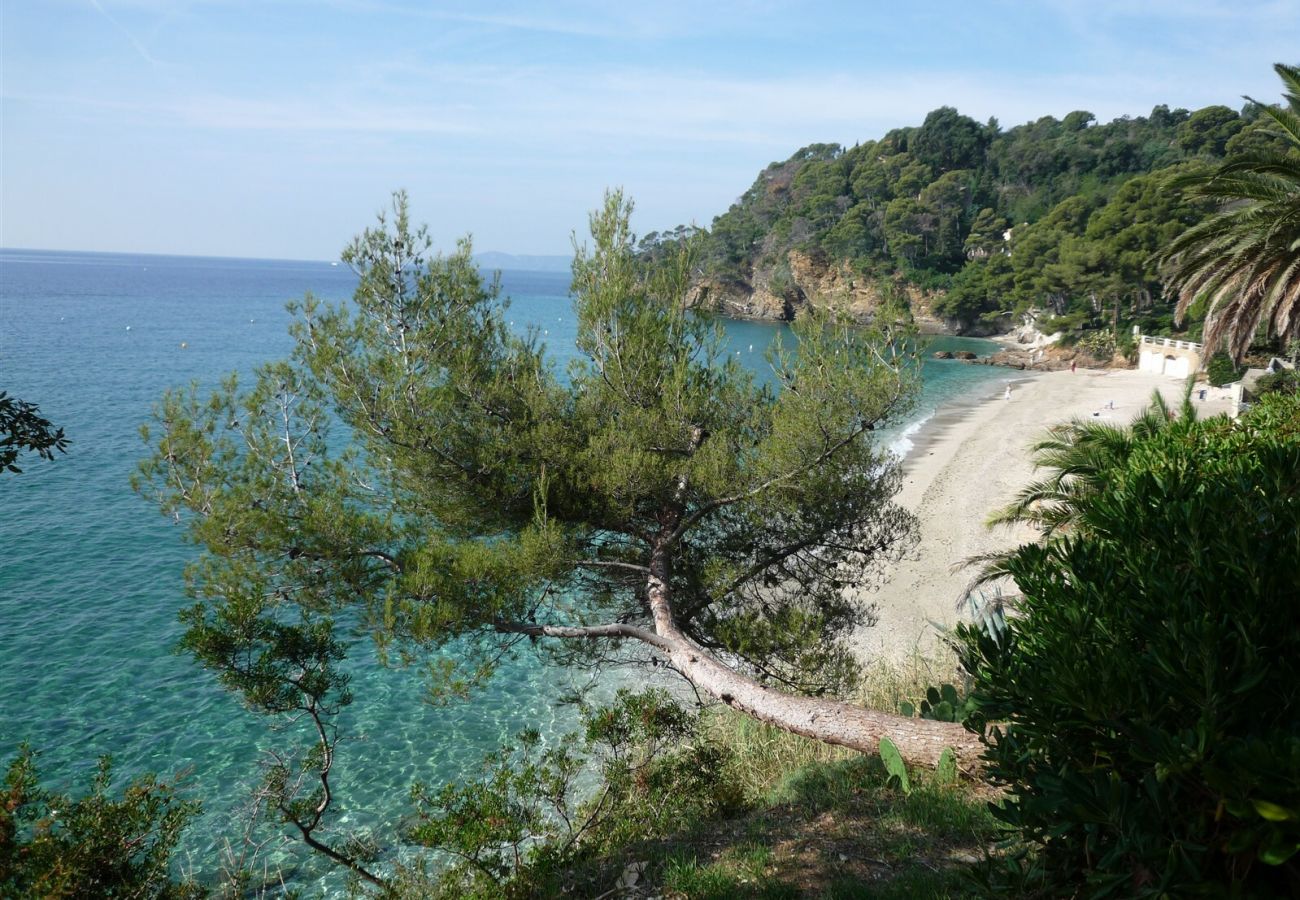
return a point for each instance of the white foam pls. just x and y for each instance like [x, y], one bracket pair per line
[902, 445]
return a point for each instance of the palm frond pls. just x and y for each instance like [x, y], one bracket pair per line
[1243, 260]
[1078, 456]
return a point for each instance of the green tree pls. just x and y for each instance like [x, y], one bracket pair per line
[947, 203]
[905, 224]
[948, 141]
[657, 500]
[1208, 130]
[1221, 370]
[983, 286]
[1046, 271]
[1137, 222]
[1246, 258]
[24, 429]
[987, 235]
[521, 829]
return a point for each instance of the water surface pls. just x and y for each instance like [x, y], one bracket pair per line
[90, 576]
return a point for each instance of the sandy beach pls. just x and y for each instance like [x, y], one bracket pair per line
[966, 462]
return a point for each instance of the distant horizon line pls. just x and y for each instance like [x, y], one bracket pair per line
[221, 256]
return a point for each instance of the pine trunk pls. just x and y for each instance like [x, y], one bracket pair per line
[919, 741]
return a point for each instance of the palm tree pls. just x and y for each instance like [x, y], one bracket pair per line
[1245, 259]
[1079, 455]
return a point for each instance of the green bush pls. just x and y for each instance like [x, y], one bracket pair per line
[100, 844]
[1148, 689]
[1221, 370]
[1100, 344]
[640, 767]
[1286, 381]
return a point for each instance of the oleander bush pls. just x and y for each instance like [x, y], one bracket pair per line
[1147, 693]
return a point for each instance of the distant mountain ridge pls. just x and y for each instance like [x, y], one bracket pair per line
[493, 259]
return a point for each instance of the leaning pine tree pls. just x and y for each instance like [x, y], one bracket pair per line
[657, 500]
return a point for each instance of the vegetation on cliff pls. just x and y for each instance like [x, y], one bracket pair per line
[1062, 215]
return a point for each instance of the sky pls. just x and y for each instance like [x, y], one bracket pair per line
[278, 128]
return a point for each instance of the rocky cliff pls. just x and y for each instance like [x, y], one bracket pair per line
[805, 281]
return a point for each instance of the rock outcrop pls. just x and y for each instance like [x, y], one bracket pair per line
[808, 281]
[1051, 357]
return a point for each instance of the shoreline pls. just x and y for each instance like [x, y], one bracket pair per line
[966, 460]
[951, 415]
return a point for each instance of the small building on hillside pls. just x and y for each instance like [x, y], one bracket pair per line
[1167, 356]
[1244, 392]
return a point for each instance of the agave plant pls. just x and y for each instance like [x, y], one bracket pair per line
[1245, 259]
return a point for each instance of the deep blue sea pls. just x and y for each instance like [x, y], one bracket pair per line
[90, 573]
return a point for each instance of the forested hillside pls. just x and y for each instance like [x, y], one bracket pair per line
[971, 222]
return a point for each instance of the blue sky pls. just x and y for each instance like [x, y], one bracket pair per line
[276, 128]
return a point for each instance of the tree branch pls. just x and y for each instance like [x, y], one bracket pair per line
[586, 632]
[689, 521]
[613, 564]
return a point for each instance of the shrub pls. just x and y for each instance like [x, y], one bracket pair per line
[101, 844]
[1099, 344]
[1221, 370]
[1148, 691]
[533, 816]
[1286, 381]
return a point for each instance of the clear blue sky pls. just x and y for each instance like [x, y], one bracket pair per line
[277, 128]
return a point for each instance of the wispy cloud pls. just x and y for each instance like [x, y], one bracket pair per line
[515, 114]
[541, 106]
[125, 32]
[302, 115]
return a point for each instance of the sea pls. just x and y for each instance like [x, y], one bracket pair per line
[90, 573]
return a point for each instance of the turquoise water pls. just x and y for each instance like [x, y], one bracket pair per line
[90, 573]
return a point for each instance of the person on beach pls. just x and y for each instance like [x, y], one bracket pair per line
[1073, 365]
[1007, 394]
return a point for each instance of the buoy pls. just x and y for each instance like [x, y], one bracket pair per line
[128, 328]
[184, 345]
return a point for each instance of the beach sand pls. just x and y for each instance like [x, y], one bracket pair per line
[966, 462]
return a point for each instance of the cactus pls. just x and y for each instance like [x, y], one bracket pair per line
[941, 704]
[946, 769]
[893, 761]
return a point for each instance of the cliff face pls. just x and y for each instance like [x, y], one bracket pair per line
[811, 282]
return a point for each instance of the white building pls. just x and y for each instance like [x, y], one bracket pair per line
[1166, 356]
